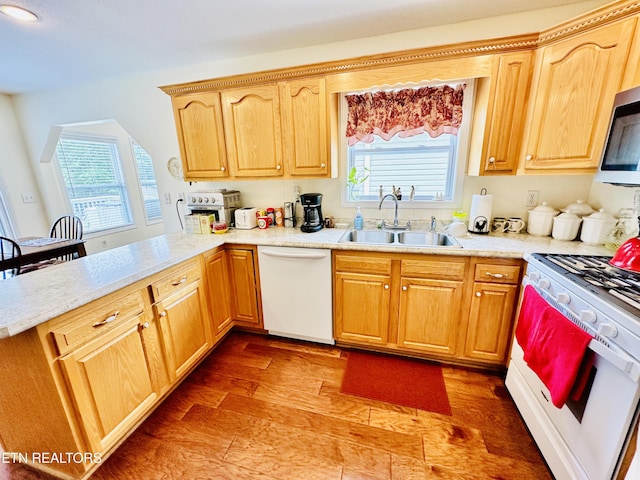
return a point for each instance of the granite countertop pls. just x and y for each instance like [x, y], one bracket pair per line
[30, 299]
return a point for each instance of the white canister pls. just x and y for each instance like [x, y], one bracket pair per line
[580, 208]
[596, 226]
[540, 220]
[566, 226]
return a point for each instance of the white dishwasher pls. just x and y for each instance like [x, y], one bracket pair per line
[296, 292]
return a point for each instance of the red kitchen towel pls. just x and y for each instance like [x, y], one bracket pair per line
[554, 347]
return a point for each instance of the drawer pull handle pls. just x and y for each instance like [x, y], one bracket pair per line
[175, 283]
[109, 319]
[497, 275]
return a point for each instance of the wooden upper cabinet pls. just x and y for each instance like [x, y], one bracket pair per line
[305, 127]
[252, 130]
[198, 118]
[505, 120]
[574, 83]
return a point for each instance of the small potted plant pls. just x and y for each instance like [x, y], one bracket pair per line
[355, 180]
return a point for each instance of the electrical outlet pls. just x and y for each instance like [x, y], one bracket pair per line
[167, 198]
[181, 196]
[532, 198]
[28, 198]
[296, 192]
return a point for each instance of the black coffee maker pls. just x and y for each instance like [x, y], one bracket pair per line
[312, 212]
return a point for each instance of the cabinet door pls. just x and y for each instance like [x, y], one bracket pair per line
[111, 383]
[252, 131]
[576, 82]
[244, 287]
[361, 308]
[305, 129]
[505, 119]
[198, 118]
[490, 319]
[184, 327]
[218, 294]
[430, 311]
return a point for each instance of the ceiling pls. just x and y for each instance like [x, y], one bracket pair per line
[76, 42]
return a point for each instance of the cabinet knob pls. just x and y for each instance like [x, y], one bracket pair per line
[163, 313]
[278, 167]
[223, 169]
[323, 165]
[175, 283]
[405, 287]
[386, 286]
[478, 294]
[528, 158]
[492, 162]
[144, 325]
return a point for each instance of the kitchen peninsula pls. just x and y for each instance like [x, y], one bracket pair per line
[91, 347]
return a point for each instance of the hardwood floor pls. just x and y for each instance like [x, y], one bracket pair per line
[266, 408]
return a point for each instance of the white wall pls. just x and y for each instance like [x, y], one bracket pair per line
[145, 113]
[16, 175]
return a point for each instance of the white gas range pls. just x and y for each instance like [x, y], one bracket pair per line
[587, 438]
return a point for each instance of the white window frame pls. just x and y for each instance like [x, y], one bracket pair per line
[462, 153]
[148, 221]
[121, 172]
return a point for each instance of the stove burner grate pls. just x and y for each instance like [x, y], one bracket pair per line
[597, 272]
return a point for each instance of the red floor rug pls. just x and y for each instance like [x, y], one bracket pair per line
[407, 382]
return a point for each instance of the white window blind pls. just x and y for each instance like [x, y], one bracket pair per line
[147, 181]
[92, 172]
[427, 164]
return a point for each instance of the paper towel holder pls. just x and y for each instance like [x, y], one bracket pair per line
[480, 213]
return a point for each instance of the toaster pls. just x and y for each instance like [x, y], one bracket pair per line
[246, 218]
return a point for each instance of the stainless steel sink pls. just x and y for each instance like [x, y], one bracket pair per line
[417, 238]
[430, 239]
[368, 236]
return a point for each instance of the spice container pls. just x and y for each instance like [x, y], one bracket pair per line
[271, 213]
[279, 217]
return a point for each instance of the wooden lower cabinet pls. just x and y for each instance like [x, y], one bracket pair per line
[430, 312]
[493, 303]
[218, 292]
[361, 307]
[185, 329]
[111, 383]
[452, 308]
[246, 306]
[81, 382]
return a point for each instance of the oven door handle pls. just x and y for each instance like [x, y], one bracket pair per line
[618, 359]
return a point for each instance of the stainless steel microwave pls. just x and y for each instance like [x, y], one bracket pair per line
[620, 164]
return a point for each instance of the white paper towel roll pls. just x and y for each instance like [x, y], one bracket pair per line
[480, 216]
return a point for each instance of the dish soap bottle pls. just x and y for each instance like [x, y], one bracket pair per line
[358, 220]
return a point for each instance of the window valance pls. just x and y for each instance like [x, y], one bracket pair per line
[434, 110]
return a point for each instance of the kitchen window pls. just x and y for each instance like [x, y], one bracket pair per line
[432, 166]
[92, 173]
[147, 183]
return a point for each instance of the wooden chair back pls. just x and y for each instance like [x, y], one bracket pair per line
[9, 249]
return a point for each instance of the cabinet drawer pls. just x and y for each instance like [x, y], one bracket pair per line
[435, 269]
[94, 319]
[179, 278]
[359, 264]
[488, 273]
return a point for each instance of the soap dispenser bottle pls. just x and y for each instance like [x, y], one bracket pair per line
[358, 220]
